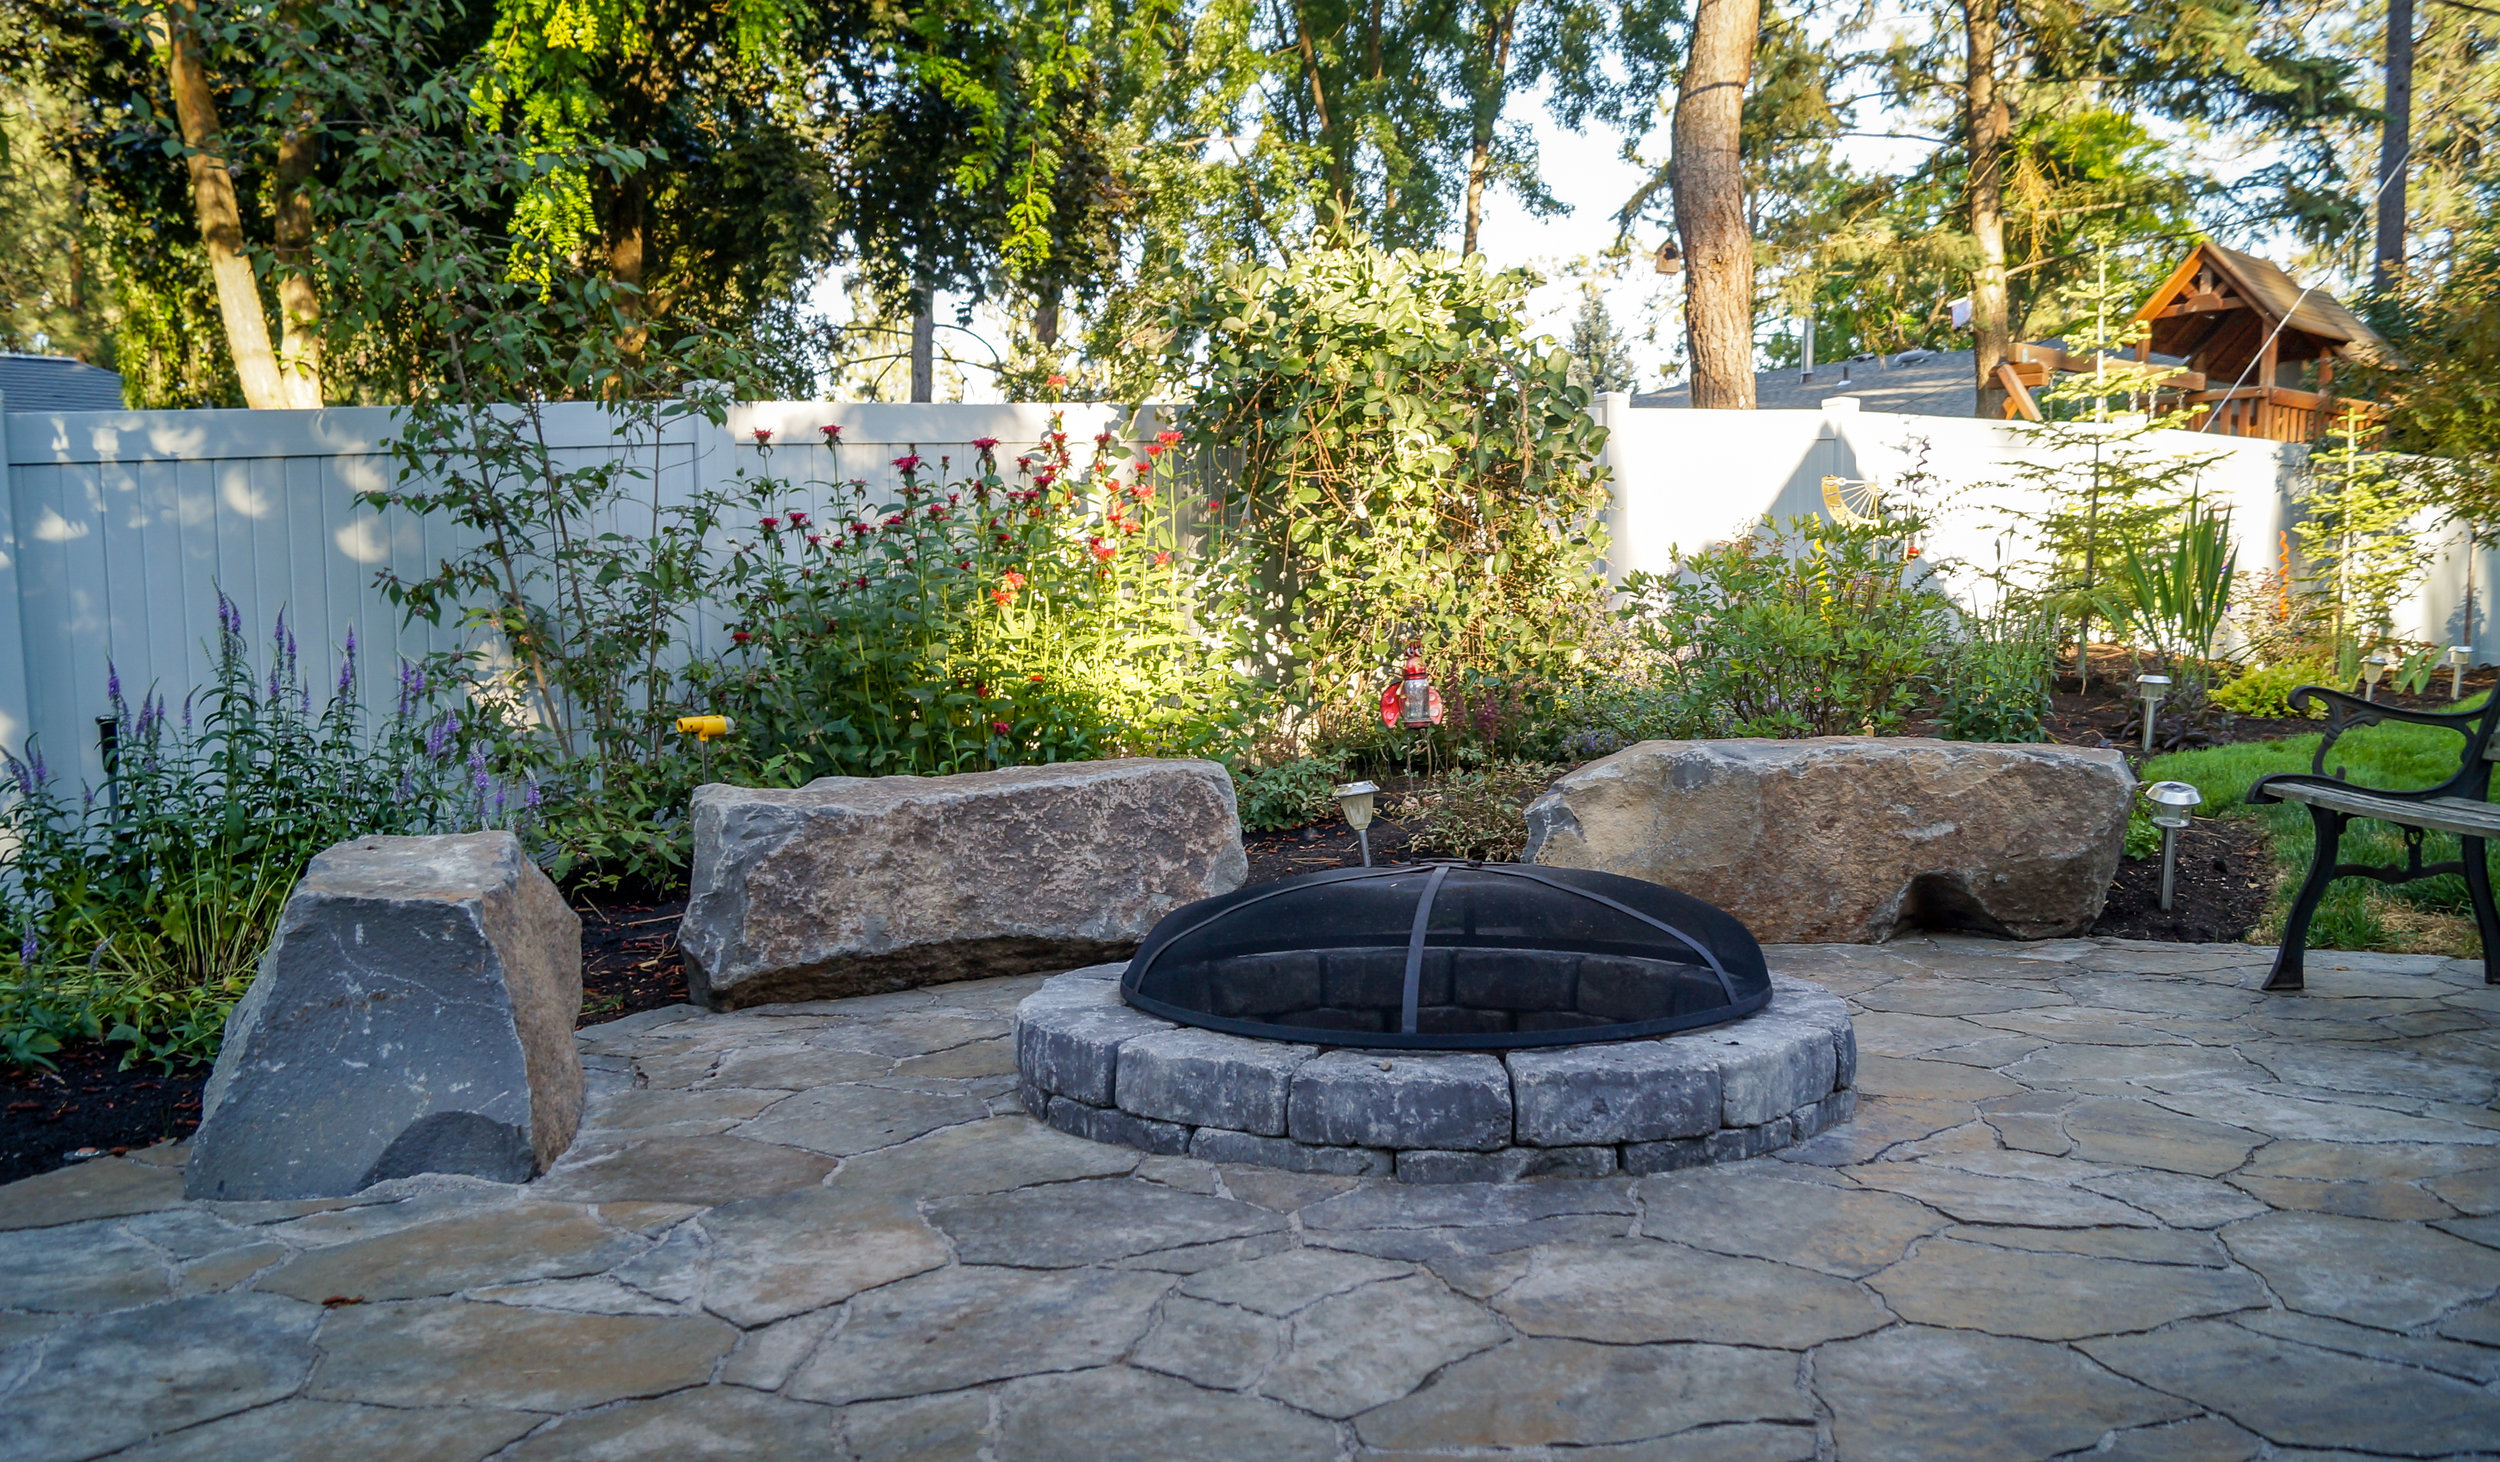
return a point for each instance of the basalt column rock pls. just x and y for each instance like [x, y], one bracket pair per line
[1849, 839]
[853, 885]
[413, 1015]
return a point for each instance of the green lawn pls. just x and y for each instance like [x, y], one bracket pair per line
[2431, 915]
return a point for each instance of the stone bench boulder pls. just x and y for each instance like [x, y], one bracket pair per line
[854, 885]
[413, 1015]
[1848, 839]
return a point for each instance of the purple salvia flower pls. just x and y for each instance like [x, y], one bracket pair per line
[347, 664]
[499, 797]
[112, 683]
[28, 947]
[186, 712]
[438, 738]
[531, 799]
[43, 774]
[408, 678]
[407, 786]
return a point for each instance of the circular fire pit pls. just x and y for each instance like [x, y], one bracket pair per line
[1443, 1023]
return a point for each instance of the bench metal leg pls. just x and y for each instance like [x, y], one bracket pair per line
[2486, 920]
[2286, 974]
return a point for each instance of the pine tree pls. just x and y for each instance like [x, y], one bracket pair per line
[1601, 361]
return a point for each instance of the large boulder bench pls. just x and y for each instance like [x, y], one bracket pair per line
[1851, 839]
[857, 885]
[414, 1014]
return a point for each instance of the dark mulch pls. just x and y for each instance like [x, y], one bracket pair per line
[2108, 714]
[90, 1103]
[2225, 879]
[630, 961]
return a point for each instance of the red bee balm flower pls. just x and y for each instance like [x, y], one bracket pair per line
[833, 434]
[768, 524]
[1004, 597]
[1000, 727]
[1014, 580]
[1168, 438]
[1102, 550]
[797, 518]
[1163, 559]
[1056, 381]
[909, 463]
[763, 434]
[983, 444]
[741, 636]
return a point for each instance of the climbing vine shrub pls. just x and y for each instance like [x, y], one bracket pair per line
[1411, 463]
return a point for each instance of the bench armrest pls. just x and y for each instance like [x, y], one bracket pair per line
[2345, 712]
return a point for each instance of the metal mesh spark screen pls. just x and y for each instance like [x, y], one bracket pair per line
[1450, 956]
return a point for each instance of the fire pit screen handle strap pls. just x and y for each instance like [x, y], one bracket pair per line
[1415, 951]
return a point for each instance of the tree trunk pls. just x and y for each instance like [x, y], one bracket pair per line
[299, 303]
[2395, 147]
[221, 220]
[625, 261]
[1498, 27]
[1046, 321]
[923, 348]
[1988, 125]
[1709, 184]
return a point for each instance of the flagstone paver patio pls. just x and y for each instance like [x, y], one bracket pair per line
[2100, 1197]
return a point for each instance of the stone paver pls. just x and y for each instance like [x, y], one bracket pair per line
[2098, 1198]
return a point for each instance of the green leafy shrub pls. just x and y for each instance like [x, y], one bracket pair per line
[2266, 690]
[140, 908]
[975, 622]
[1475, 814]
[1289, 794]
[1815, 630]
[1994, 690]
[1412, 463]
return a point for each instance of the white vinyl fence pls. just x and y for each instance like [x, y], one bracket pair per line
[118, 528]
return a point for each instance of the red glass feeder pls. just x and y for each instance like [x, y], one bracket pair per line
[1410, 700]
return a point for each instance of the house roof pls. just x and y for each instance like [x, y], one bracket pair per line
[2307, 309]
[56, 383]
[1914, 383]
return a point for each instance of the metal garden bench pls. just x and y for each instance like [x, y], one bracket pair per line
[2457, 806]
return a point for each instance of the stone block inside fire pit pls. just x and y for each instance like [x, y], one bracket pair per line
[413, 1015]
[1849, 839]
[854, 885]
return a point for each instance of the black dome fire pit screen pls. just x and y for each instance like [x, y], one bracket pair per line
[1450, 956]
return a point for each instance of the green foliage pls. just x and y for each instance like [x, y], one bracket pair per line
[141, 908]
[1476, 813]
[1411, 463]
[2266, 690]
[969, 623]
[1994, 690]
[1600, 359]
[2356, 531]
[1814, 630]
[1289, 794]
[2174, 596]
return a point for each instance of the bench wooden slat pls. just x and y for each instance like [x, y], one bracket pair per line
[2456, 815]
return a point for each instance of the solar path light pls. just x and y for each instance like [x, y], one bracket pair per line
[1354, 799]
[2152, 688]
[2457, 656]
[2372, 671]
[2174, 806]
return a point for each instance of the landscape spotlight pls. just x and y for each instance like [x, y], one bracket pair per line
[1354, 799]
[2174, 807]
[2152, 688]
[2372, 670]
[2457, 656]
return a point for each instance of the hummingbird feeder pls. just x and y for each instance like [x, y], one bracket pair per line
[1411, 701]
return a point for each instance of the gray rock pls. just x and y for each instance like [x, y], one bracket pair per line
[1110, 1124]
[1770, 1065]
[1352, 1352]
[969, 1324]
[1091, 1221]
[1505, 1166]
[1365, 1099]
[853, 885]
[1214, 1144]
[1912, 1394]
[1207, 1079]
[1117, 1413]
[1069, 1033]
[414, 1014]
[1852, 838]
[1629, 1091]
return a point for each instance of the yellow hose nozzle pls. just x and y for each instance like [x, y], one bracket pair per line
[704, 728]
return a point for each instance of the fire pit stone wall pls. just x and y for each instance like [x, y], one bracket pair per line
[1092, 1065]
